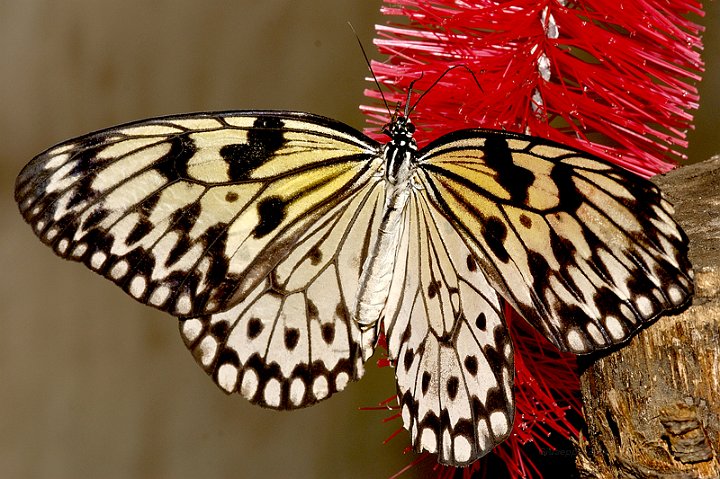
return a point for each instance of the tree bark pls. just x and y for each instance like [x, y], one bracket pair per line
[653, 407]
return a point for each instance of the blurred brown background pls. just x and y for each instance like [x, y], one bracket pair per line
[94, 384]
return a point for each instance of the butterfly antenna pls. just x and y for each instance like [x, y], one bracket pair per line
[367, 62]
[409, 110]
[437, 80]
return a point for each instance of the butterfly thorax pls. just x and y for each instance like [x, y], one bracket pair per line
[376, 275]
[400, 151]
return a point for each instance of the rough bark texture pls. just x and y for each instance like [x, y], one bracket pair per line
[653, 407]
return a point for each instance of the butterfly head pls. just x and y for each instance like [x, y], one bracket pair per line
[401, 131]
[400, 151]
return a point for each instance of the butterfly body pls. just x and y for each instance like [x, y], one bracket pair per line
[286, 241]
[400, 162]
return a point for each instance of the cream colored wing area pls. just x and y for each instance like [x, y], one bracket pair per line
[448, 339]
[291, 342]
[584, 250]
[188, 213]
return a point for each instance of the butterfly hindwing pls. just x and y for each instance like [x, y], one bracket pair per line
[188, 213]
[292, 342]
[447, 336]
[583, 250]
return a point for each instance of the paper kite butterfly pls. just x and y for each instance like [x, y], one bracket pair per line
[286, 242]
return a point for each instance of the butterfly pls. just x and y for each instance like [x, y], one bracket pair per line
[286, 243]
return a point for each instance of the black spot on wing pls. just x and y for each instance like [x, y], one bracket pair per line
[292, 336]
[433, 289]
[471, 263]
[564, 250]
[223, 284]
[267, 131]
[85, 154]
[139, 231]
[183, 221]
[174, 164]
[525, 220]
[94, 218]
[264, 139]
[185, 218]
[271, 211]
[241, 160]
[568, 194]
[494, 353]
[515, 179]
[452, 387]
[254, 328]
[425, 384]
[315, 255]
[220, 330]
[471, 365]
[86, 167]
[481, 321]
[494, 231]
[328, 332]
[408, 359]
[179, 249]
[539, 267]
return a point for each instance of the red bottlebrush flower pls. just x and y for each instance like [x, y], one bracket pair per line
[615, 79]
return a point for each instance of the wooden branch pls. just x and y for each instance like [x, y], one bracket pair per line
[653, 407]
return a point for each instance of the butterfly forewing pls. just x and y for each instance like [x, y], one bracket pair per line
[584, 251]
[190, 213]
[292, 342]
